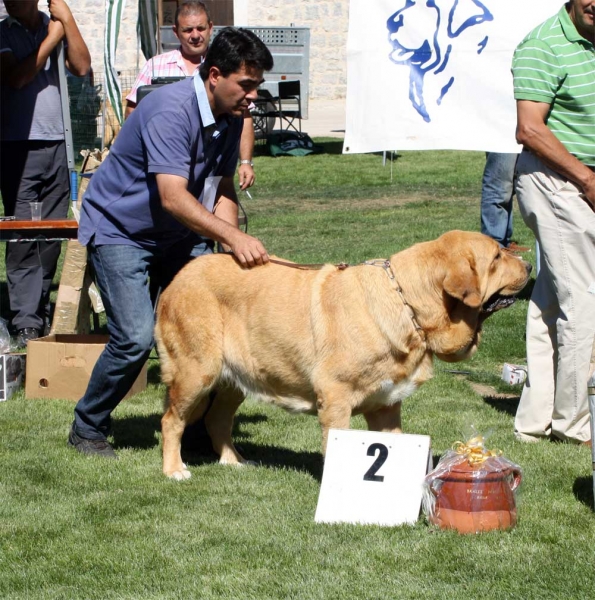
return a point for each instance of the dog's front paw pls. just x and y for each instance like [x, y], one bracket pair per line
[180, 475]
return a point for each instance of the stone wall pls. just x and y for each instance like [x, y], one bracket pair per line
[328, 22]
[327, 19]
[90, 16]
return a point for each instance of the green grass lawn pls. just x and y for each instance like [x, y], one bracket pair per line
[78, 528]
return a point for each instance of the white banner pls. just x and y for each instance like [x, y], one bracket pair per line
[435, 74]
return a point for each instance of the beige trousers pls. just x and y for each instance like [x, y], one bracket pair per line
[561, 315]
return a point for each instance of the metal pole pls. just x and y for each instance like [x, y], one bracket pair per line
[159, 24]
[67, 123]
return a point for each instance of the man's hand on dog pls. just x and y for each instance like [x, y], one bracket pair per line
[248, 250]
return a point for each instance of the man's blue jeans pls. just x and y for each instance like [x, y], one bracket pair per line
[496, 196]
[122, 274]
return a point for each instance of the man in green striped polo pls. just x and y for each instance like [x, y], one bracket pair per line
[554, 86]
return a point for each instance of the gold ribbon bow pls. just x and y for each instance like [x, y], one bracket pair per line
[475, 450]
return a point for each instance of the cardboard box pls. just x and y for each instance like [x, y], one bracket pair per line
[60, 365]
[12, 372]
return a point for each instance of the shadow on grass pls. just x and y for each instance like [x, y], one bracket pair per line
[275, 457]
[583, 491]
[197, 449]
[137, 432]
[334, 147]
[389, 156]
[505, 405]
[272, 457]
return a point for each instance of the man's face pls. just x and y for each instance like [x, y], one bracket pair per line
[20, 8]
[582, 14]
[194, 33]
[234, 93]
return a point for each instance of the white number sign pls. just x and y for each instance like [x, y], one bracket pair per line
[373, 478]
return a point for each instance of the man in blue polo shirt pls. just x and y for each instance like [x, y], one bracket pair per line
[168, 176]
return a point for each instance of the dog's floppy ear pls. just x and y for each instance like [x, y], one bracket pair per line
[461, 282]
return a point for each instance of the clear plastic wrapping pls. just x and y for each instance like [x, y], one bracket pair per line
[472, 489]
[5, 343]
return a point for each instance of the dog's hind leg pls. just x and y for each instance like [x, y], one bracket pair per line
[387, 418]
[184, 404]
[219, 424]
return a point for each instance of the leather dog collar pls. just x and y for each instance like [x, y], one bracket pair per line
[385, 264]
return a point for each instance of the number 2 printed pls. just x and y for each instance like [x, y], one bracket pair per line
[382, 450]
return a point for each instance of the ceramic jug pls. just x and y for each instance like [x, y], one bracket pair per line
[476, 497]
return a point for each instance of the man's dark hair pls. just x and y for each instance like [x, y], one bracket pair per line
[233, 48]
[191, 7]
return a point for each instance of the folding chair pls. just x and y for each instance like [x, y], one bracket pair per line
[286, 107]
[264, 107]
[290, 106]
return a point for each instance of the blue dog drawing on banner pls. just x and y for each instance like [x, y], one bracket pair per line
[422, 34]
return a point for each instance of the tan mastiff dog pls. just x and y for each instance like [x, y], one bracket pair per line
[334, 342]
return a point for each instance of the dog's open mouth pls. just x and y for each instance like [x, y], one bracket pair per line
[497, 302]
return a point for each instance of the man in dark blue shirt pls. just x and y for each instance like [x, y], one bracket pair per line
[168, 176]
[34, 166]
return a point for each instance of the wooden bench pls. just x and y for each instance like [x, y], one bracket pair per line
[72, 313]
[64, 229]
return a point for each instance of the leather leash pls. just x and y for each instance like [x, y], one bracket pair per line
[305, 267]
